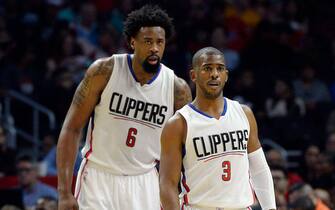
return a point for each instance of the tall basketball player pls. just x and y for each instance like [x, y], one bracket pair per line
[128, 99]
[214, 142]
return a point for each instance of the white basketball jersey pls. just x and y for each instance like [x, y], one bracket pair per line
[215, 163]
[124, 131]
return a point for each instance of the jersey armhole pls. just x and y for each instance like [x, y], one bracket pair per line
[186, 132]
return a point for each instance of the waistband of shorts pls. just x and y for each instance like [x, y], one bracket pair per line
[218, 208]
[91, 164]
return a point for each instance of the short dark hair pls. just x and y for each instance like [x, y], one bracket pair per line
[205, 51]
[148, 15]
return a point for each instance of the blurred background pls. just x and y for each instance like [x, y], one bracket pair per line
[281, 60]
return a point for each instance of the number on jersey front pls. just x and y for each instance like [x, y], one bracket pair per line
[226, 171]
[131, 137]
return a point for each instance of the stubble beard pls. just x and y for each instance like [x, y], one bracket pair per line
[211, 95]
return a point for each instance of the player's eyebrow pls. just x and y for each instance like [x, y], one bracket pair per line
[147, 38]
[209, 64]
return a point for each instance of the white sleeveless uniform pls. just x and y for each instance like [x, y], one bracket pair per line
[123, 139]
[215, 165]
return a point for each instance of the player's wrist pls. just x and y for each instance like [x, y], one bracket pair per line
[64, 191]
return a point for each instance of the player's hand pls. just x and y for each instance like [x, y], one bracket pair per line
[67, 202]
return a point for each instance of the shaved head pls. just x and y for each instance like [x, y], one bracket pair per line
[204, 51]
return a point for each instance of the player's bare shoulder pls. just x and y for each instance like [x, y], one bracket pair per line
[182, 93]
[175, 128]
[247, 110]
[94, 81]
[250, 115]
[102, 67]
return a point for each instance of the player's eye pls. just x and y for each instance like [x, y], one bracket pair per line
[148, 42]
[221, 68]
[207, 68]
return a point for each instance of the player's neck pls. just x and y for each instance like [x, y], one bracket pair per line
[212, 107]
[141, 75]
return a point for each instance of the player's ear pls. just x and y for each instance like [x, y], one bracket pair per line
[193, 75]
[227, 76]
[132, 43]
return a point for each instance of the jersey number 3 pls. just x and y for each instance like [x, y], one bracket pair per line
[226, 171]
[131, 138]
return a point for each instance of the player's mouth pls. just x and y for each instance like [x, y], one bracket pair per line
[213, 84]
[153, 60]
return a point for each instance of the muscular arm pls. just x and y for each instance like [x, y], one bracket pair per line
[182, 93]
[260, 174]
[172, 139]
[85, 98]
[253, 142]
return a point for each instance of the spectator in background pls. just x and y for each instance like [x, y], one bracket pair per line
[300, 190]
[219, 41]
[312, 90]
[46, 203]
[48, 142]
[86, 27]
[332, 195]
[330, 144]
[303, 203]
[278, 162]
[309, 164]
[32, 188]
[284, 103]
[285, 112]
[325, 173]
[7, 155]
[7, 76]
[279, 175]
[246, 90]
[49, 157]
[276, 158]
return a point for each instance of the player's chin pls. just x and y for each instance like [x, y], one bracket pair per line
[213, 94]
[214, 89]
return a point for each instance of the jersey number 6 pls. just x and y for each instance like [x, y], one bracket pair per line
[226, 171]
[131, 138]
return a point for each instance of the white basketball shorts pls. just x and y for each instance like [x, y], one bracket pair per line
[97, 188]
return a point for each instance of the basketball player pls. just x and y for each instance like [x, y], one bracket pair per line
[129, 99]
[213, 141]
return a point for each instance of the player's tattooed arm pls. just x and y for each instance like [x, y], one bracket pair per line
[99, 71]
[182, 93]
[85, 99]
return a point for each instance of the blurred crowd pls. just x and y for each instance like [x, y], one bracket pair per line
[280, 55]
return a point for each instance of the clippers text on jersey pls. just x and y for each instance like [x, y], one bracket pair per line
[137, 109]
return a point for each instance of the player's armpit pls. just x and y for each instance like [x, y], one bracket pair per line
[253, 142]
[182, 93]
